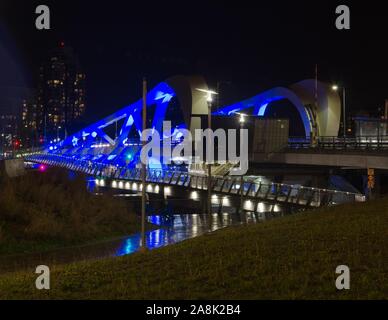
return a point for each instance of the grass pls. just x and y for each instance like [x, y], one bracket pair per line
[43, 211]
[294, 257]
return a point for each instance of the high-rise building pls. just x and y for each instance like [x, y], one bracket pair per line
[61, 93]
[29, 123]
[8, 133]
[11, 102]
[29, 114]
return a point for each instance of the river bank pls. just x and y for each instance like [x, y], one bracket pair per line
[293, 257]
[52, 208]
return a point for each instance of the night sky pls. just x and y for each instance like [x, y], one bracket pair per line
[248, 46]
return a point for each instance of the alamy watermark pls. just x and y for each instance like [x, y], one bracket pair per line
[343, 19]
[343, 280]
[178, 149]
[42, 282]
[42, 22]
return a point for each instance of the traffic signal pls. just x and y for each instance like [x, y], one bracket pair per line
[16, 143]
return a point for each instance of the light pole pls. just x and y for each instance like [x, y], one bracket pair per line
[336, 88]
[242, 120]
[45, 128]
[59, 127]
[143, 171]
[209, 99]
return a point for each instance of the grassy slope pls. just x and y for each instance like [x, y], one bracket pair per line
[292, 257]
[43, 211]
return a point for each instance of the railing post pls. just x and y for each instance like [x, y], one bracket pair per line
[242, 194]
[249, 189]
[299, 195]
[309, 201]
[277, 191]
[268, 191]
[231, 186]
[172, 176]
[288, 193]
[222, 185]
[258, 190]
[186, 178]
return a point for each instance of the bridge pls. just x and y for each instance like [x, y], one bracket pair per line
[115, 139]
[357, 153]
[110, 148]
[125, 178]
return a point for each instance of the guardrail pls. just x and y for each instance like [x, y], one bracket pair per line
[119, 177]
[341, 143]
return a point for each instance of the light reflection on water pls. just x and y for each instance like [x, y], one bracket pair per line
[173, 229]
[182, 227]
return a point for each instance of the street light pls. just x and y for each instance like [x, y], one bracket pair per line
[336, 88]
[210, 94]
[143, 247]
[242, 120]
[209, 99]
[59, 127]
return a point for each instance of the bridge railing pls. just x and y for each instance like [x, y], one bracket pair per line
[341, 143]
[229, 185]
[276, 192]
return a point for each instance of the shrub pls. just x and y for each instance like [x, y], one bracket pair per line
[51, 207]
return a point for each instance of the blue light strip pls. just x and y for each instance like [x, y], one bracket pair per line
[92, 142]
[260, 103]
[84, 144]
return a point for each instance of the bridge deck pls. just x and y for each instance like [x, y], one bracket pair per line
[120, 177]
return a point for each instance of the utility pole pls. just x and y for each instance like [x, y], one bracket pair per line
[344, 109]
[315, 108]
[143, 171]
[58, 128]
[218, 96]
[45, 129]
[209, 166]
[242, 119]
[209, 99]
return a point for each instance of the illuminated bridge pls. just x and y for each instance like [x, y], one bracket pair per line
[110, 148]
[114, 140]
[160, 181]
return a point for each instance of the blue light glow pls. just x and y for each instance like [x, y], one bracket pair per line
[262, 110]
[92, 139]
[259, 105]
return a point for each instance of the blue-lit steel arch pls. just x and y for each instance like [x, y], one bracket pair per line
[94, 144]
[259, 105]
[303, 95]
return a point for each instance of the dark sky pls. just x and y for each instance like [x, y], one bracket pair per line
[253, 45]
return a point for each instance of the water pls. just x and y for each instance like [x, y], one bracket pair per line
[172, 229]
[182, 227]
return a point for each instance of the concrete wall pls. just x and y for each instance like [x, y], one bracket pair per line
[328, 108]
[325, 159]
[193, 102]
[12, 168]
